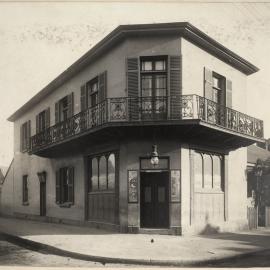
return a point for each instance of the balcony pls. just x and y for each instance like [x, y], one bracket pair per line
[183, 111]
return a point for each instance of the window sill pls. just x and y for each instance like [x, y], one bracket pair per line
[25, 203]
[65, 205]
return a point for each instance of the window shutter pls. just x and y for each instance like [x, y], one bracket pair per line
[208, 82]
[37, 123]
[175, 85]
[21, 136]
[57, 187]
[133, 87]
[102, 86]
[23, 190]
[70, 99]
[26, 190]
[47, 117]
[71, 185]
[28, 134]
[83, 98]
[57, 112]
[228, 93]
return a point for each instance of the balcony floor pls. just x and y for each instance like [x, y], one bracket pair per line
[193, 131]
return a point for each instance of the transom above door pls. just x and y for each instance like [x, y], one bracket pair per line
[154, 87]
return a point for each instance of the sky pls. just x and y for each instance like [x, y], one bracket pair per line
[39, 40]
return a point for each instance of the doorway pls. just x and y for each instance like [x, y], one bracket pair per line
[154, 199]
[43, 198]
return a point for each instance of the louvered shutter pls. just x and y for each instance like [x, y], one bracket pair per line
[21, 138]
[70, 100]
[57, 112]
[70, 183]
[37, 124]
[102, 86]
[47, 117]
[228, 93]
[208, 82]
[83, 98]
[175, 86]
[28, 134]
[133, 87]
[57, 187]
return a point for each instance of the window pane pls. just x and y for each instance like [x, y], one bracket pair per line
[216, 82]
[161, 85]
[160, 65]
[94, 178]
[147, 86]
[198, 171]
[94, 87]
[217, 172]
[146, 65]
[111, 171]
[102, 173]
[207, 171]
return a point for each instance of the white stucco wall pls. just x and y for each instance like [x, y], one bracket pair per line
[194, 59]
[237, 189]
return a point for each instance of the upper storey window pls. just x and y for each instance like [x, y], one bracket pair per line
[25, 133]
[92, 92]
[43, 120]
[63, 105]
[64, 108]
[154, 86]
[217, 88]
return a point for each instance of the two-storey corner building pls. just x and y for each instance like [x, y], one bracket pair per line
[145, 132]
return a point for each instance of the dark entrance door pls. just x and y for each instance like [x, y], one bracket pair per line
[155, 199]
[43, 198]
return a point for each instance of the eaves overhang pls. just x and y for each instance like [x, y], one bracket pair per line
[183, 29]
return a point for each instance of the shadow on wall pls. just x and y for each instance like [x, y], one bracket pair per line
[209, 229]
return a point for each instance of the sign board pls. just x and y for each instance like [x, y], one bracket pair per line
[132, 186]
[175, 185]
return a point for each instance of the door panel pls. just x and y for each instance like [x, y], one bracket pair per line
[155, 200]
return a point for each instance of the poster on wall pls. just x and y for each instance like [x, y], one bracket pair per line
[132, 186]
[175, 185]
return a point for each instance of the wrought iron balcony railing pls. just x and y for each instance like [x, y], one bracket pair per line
[125, 109]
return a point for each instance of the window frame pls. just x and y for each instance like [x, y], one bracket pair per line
[42, 119]
[25, 197]
[63, 109]
[213, 188]
[154, 100]
[66, 199]
[219, 89]
[25, 136]
[98, 158]
[92, 95]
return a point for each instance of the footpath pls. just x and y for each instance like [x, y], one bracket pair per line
[140, 249]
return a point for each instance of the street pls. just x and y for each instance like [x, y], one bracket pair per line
[261, 259]
[13, 255]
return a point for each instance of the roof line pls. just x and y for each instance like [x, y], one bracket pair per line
[184, 29]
